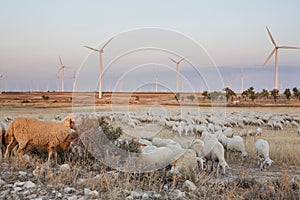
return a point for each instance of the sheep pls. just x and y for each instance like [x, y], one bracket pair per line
[214, 151]
[258, 132]
[262, 152]
[223, 140]
[185, 163]
[197, 146]
[243, 133]
[29, 131]
[294, 123]
[277, 126]
[236, 144]
[4, 140]
[228, 132]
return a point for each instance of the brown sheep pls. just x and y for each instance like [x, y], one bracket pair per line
[36, 133]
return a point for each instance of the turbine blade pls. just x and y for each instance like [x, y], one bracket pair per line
[68, 67]
[91, 48]
[61, 64]
[106, 43]
[288, 47]
[269, 57]
[172, 60]
[273, 41]
[181, 60]
[59, 70]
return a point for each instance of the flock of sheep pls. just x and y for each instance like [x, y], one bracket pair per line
[212, 135]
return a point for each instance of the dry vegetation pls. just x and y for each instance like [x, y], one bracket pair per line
[243, 181]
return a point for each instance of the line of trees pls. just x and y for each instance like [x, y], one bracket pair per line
[250, 93]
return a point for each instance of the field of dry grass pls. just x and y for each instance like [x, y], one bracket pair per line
[243, 181]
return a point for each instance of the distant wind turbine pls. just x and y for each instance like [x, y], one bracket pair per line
[177, 70]
[101, 67]
[242, 76]
[155, 77]
[1, 78]
[275, 50]
[62, 69]
[74, 80]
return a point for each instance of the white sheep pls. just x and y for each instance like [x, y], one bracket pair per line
[36, 133]
[223, 140]
[197, 146]
[228, 132]
[258, 132]
[213, 151]
[3, 138]
[262, 152]
[236, 144]
[185, 163]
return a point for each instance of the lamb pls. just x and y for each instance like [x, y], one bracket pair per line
[236, 144]
[213, 150]
[262, 152]
[29, 131]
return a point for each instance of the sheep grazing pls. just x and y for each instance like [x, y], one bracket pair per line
[213, 150]
[236, 144]
[258, 132]
[197, 146]
[4, 139]
[36, 133]
[262, 152]
[185, 163]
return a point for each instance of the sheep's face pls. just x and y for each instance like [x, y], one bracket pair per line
[267, 163]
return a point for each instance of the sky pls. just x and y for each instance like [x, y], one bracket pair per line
[219, 38]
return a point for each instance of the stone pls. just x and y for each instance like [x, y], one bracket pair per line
[22, 173]
[64, 168]
[177, 194]
[145, 196]
[190, 185]
[29, 184]
[69, 190]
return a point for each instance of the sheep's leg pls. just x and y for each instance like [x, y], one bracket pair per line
[22, 146]
[50, 153]
[10, 146]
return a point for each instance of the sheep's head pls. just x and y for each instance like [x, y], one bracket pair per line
[244, 154]
[71, 121]
[267, 163]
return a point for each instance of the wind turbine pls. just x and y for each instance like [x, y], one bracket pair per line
[62, 69]
[242, 76]
[275, 50]
[155, 77]
[100, 60]
[177, 70]
[74, 80]
[1, 78]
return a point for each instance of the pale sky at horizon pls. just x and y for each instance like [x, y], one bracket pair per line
[34, 33]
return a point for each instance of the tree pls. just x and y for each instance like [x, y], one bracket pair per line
[265, 93]
[296, 92]
[191, 97]
[205, 94]
[229, 94]
[249, 93]
[274, 93]
[287, 93]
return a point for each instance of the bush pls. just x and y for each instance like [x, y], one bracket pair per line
[45, 97]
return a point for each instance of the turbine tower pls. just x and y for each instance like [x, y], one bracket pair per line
[275, 50]
[177, 70]
[1, 78]
[62, 69]
[242, 76]
[100, 57]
